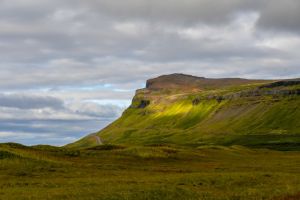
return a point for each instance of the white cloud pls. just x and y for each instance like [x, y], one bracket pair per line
[130, 28]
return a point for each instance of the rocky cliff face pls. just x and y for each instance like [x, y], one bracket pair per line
[181, 84]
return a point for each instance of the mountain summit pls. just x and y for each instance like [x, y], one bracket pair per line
[187, 110]
[189, 82]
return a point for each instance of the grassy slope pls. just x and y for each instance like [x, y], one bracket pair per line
[266, 121]
[160, 172]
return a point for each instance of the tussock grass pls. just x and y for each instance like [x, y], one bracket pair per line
[150, 172]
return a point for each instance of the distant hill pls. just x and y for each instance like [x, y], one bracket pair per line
[187, 110]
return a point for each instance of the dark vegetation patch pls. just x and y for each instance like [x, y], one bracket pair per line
[7, 154]
[281, 83]
[275, 142]
[144, 104]
[159, 145]
[289, 197]
[47, 148]
[106, 147]
[196, 101]
[14, 145]
[72, 153]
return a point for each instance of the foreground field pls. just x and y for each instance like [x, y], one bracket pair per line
[160, 172]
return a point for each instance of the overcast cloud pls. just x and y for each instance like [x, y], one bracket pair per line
[70, 67]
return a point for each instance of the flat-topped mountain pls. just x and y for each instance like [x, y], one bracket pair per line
[187, 110]
[189, 82]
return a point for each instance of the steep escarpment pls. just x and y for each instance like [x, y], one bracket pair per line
[187, 110]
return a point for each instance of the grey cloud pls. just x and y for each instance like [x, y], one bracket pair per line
[280, 15]
[96, 110]
[60, 60]
[22, 101]
[185, 12]
[74, 34]
[55, 132]
[169, 10]
[33, 107]
[276, 14]
[20, 121]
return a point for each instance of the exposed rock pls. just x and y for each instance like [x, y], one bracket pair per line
[220, 98]
[144, 103]
[196, 101]
[187, 83]
[258, 92]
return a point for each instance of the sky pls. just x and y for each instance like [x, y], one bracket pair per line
[70, 67]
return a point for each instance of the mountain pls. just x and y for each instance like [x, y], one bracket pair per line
[187, 110]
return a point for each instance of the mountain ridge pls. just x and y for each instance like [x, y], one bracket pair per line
[185, 81]
[188, 110]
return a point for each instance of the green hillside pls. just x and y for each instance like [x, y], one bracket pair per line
[195, 111]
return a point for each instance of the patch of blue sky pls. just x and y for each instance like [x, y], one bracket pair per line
[118, 102]
[87, 87]
[123, 90]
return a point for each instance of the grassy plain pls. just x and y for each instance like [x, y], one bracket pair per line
[148, 172]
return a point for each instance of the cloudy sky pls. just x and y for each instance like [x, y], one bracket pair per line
[70, 67]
